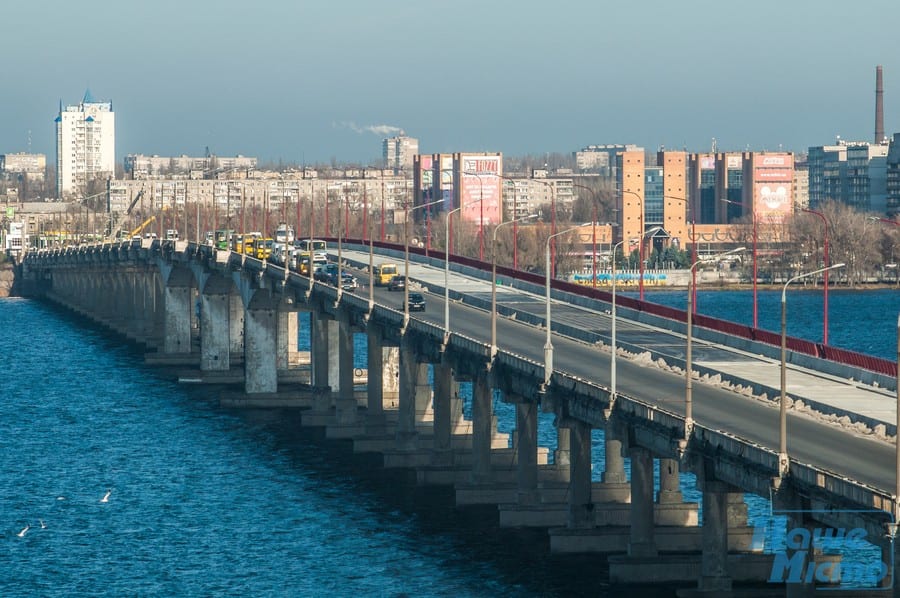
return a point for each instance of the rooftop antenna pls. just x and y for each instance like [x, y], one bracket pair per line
[715, 148]
[29, 141]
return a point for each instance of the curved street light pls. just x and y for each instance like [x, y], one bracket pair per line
[694, 252]
[548, 345]
[641, 242]
[825, 278]
[755, 262]
[447, 269]
[494, 280]
[407, 210]
[688, 357]
[783, 459]
[613, 340]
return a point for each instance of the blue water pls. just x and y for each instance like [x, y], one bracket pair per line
[206, 501]
[864, 321]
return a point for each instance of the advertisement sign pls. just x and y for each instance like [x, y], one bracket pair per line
[707, 162]
[734, 162]
[480, 191]
[773, 177]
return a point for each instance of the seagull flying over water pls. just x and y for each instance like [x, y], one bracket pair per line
[24, 531]
[106, 496]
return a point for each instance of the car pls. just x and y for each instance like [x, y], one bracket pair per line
[348, 282]
[320, 274]
[416, 302]
[398, 283]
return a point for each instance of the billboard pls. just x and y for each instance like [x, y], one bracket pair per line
[773, 176]
[480, 188]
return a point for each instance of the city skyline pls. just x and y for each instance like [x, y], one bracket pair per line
[311, 84]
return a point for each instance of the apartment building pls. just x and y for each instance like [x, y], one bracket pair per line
[85, 145]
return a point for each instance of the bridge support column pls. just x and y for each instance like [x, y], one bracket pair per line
[561, 456]
[236, 325]
[581, 509]
[613, 487]
[482, 428]
[671, 510]
[714, 576]
[287, 336]
[215, 332]
[260, 373]
[526, 452]
[178, 308]
[320, 350]
[406, 416]
[345, 403]
[375, 381]
[641, 543]
[442, 454]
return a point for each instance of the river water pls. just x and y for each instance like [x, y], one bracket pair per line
[206, 501]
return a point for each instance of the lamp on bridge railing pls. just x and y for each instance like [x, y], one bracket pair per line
[688, 357]
[447, 269]
[406, 257]
[825, 280]
[494, 280]
[783, 460]
[613, 341]
[548, 344]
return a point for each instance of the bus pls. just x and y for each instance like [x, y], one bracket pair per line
[260, 247]
[383, 273]
[222, 238]
[319, 247]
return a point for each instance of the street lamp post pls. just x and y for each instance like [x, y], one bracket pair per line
[640, 243]
[825, 275]
[755, 262]
[548, 345]
[694, 252]
[688, 356]
[613, 340]
[783, 460]
[552, 222]
[447, 269]
[494, 281]
[407, 210]
[593, 233]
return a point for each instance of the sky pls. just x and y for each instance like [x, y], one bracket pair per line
[313, 82]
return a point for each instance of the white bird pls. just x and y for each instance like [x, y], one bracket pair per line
[106, 496]
[42, 524]
[24, 531]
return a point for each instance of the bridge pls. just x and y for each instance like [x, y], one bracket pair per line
[246, 328]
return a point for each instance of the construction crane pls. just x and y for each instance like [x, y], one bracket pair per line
[143, 225]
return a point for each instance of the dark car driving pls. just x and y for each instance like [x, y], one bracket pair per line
[397, 283]
[416, 302]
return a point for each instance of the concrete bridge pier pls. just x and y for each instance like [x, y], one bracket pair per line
[382, 395]
[670, 509]
[260, 343]
[235, 327]
[407, 452]
[484, 485]
[215, 302]
[287, 354]
[322, 330]
[346, 424]
[178, 306]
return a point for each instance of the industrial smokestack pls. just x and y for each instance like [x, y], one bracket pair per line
[879, 106]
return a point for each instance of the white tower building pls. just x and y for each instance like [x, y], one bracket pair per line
[85, 145]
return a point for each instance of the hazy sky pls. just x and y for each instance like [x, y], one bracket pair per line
[304, 81]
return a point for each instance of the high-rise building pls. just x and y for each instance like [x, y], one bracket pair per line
[85, 145]
[399, 151]
[850, 172]
[892, 177]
